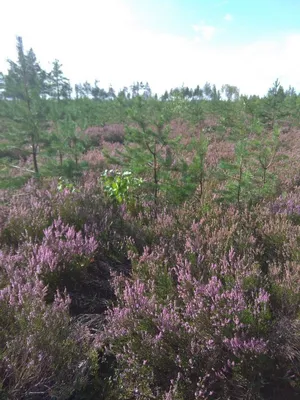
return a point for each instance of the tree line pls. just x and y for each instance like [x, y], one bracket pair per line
[40, 112]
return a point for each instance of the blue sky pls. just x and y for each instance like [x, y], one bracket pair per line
[165, 42]
[250, 19]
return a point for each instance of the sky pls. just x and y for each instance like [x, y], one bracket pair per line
[168, 43]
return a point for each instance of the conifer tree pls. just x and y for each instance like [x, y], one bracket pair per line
[148, 146]
[265, 150]
[197, 169]
[237, 175]
[59, 85]
[25, 85]
[273, 105]
[2, 85]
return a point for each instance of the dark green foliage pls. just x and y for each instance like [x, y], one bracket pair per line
[25, 85]
[58, 87]
[148, 147]
[237, 176]
[195, 173]
[273, 109]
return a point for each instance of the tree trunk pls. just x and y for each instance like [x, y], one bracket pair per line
[239, 184]
[155, 178]
[264, 175]
[60, 158]
[34, 155]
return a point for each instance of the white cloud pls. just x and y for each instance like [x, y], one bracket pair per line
[104, 40]
[206, 31]
[228, 17]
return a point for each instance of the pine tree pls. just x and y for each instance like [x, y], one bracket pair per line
[148, 147]
[60, 138]
[264, 149]
[196, 171]
[2, 86]
[237, 175]
[273, 105]
[59, 85]
[25, 85]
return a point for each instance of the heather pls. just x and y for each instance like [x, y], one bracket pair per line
[149, 246]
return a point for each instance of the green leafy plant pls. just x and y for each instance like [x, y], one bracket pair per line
[120, 186]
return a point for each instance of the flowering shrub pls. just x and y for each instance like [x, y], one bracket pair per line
[34, 208]
[210, 326]
[95, 159]
[195, 343]
[289, 205]
[42, 352]
[206, 295]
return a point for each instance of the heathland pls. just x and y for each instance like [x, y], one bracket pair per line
[149, 244]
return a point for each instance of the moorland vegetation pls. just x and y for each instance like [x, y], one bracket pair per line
[149, 245]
